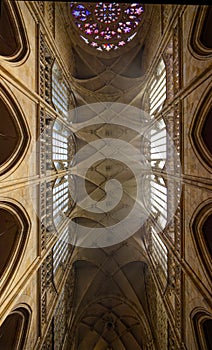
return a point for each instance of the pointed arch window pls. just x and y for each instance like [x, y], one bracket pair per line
[157, 136]
[159, 200]
[202, 327]
[201, 131]
[14, 137]
[14, 233]
[63, 198]
[157, 94]
[63, 144]
[13, 40]
[159, 252]
[200, 42]
[63, 202]
[60, 92]
[202, 228]
[14, 330]
[61, 249]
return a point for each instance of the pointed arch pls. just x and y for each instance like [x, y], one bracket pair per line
[14, 134]
[202, 328]
[200, 44]
[14, 45]
[14, 234]
[201, 225]
[200, 130]
[15, 328]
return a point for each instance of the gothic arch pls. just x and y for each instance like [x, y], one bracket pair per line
[14, 234]
[14, 135]
[199, 42]
[201, 229]
[202, 328]
[200, 130]
[14, 45]
[14, 330]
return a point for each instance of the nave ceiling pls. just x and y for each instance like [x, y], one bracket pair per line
[105, 190]
[114, 284]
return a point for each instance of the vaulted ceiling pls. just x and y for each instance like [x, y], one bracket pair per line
[111, 300]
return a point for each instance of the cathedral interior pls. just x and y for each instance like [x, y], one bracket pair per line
[105, 176]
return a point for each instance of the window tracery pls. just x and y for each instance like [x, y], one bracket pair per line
[60, 91]
[157, 94]
[63, 198]
[164, 150]
[63, 146]
[61, 249]
[159, 252]
[107, 26]
[46, 61]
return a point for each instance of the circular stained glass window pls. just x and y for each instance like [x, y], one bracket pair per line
[106, 26]
[107, 13]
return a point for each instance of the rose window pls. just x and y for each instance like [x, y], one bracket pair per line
[106, 26]
[107, 13]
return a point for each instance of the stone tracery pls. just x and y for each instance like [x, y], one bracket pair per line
[106, 26]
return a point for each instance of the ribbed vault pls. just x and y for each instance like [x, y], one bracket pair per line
[110, 303]
[113, 284]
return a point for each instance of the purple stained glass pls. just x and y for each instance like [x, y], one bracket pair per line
[110, 22]
[80, 12]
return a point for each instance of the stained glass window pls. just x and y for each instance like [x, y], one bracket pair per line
[106, 26]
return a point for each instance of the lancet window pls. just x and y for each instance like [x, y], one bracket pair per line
[61, 249]
[60, 92]
[157, 149]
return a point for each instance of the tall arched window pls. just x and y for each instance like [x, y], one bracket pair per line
[157, 140]
[159, 252]
[200, 42]
[61, 249]
[13, 41]
[14, 227]
[14, 330]
[158, 193]
[60, 92]
[63, 144]
[200, 131]
[157, 94]
[202, 326]
[158, 134]
[14, 137]
[205, 36]
[63, 198]
[202, 227]
[206, 131]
